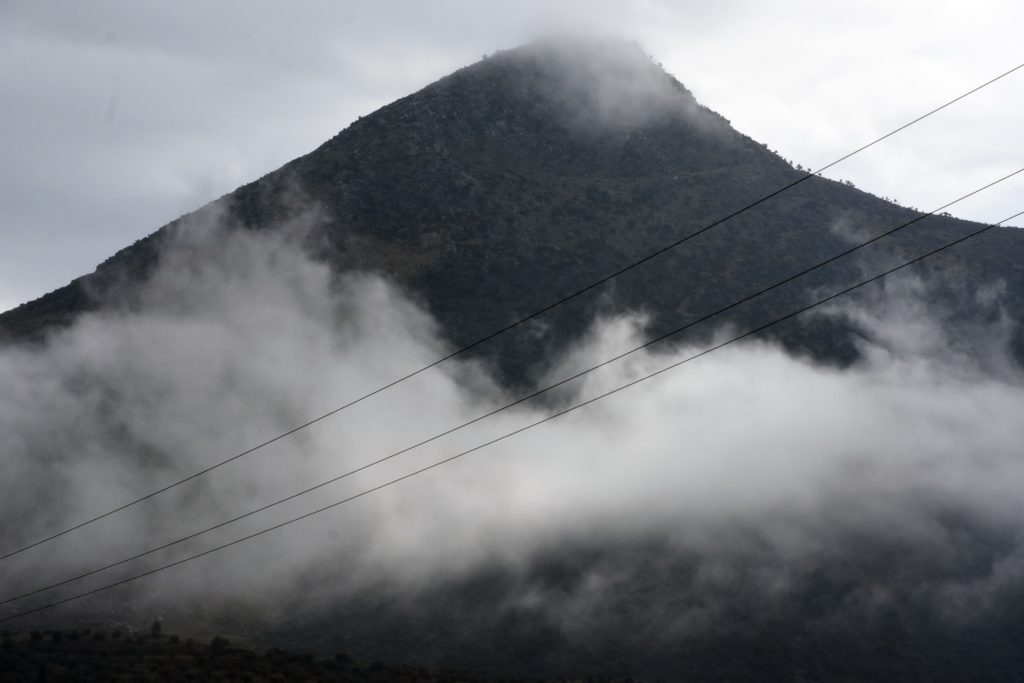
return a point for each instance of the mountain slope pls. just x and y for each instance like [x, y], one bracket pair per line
[515, 181]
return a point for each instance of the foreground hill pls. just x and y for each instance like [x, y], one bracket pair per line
[90, 655]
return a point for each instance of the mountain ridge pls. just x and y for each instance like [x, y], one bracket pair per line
[493, 179]
[498, 154]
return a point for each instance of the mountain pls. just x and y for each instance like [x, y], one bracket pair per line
[515, 181]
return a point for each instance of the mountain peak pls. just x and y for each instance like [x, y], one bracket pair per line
[597, 82]
[582, 52]
[587, 83]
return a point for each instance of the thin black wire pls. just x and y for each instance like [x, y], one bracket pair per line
[507, 327]
[507, 406]
[508, 435]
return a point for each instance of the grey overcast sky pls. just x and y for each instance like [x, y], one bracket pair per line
[117, 116]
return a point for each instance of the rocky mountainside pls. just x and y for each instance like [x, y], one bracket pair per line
[515, 181]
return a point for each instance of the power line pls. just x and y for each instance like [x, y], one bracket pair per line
[508, 435]
[518, 401]
[507, 327]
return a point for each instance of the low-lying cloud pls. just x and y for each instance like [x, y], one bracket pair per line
[762, 471]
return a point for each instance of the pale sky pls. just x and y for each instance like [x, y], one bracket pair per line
[117, 116]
